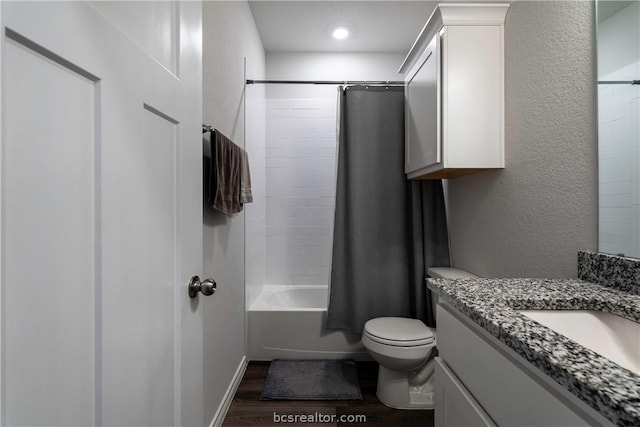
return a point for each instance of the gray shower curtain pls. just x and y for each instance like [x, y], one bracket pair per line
[387, 230]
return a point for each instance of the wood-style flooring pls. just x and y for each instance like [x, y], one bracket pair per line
[248, 410]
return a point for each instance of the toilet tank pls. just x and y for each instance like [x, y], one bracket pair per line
[445, 273]
[449, 273]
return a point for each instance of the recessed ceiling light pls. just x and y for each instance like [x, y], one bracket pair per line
[340, 33]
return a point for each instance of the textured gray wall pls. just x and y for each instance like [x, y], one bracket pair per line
[530, 219]
[229, 36]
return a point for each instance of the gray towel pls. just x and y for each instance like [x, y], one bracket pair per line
[245, 180]
[226, 174]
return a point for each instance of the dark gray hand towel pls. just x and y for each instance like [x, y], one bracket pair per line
[245, 181]
[225, 176]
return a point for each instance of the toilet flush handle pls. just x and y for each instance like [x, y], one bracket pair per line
[206, 287]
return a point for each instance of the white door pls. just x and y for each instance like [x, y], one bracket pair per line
[101, 216]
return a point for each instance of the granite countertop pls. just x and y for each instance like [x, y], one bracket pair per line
[491, 303]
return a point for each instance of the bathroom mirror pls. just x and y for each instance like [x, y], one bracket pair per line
[618, 44]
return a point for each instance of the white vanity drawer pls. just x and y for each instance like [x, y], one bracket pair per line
[454, 405]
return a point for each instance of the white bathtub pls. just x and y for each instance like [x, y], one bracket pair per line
[288, 322]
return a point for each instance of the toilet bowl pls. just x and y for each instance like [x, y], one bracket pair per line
[404, 349]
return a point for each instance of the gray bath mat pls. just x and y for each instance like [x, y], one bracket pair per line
[312, 380]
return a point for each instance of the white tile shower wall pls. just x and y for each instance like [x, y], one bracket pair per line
[619, 162]
[255, 213]
[619, 135]
[300, 189]
[300, 158]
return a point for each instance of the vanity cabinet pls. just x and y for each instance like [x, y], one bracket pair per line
[454, 404]
[481, 382]
[454, 93]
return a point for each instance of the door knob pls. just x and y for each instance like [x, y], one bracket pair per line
[206, 287]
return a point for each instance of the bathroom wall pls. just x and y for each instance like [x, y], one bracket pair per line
[619, 133]
[300, 189]
[255, 227]
[531, 218]
[229, 36]
[300, 159]
[328, 66]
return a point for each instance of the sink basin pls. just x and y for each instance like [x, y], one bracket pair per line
[611, 336]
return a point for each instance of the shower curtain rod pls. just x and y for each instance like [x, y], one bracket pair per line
[327, 82]
[619, 82]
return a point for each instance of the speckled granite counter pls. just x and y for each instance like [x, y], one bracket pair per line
[610, 389]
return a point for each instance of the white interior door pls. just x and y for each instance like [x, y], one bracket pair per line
[101, 223]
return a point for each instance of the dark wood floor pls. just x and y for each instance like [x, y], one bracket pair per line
[248, 410]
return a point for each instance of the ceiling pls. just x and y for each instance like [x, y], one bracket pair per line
[306, 26]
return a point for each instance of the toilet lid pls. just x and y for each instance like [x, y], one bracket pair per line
[399, 331]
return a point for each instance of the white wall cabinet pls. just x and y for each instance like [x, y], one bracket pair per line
[480, 381]
[454, 93]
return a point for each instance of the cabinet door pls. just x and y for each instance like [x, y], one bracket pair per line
[422, 112]
[454, 405]
[472, 96]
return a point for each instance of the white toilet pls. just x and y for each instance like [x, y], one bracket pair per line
[405, 348]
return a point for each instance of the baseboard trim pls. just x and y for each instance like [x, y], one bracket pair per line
[218, 417]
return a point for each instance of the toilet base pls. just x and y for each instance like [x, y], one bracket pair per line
[395, 389]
